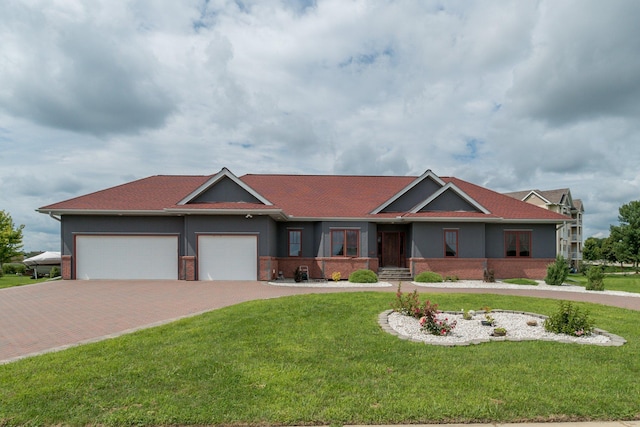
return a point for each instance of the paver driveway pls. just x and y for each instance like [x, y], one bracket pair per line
[54, 315]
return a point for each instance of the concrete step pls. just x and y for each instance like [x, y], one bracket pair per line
[393, 273]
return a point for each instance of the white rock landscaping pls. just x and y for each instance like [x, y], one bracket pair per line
[471, 331]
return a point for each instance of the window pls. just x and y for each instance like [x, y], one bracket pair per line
[517, 243]
[451, 243]
[295, 242]
[345, 242]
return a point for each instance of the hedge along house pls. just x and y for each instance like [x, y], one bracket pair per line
[224, 227]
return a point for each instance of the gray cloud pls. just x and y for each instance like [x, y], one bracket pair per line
[584, 64]
[80, 74]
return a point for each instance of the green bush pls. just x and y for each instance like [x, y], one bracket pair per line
[595, 279]
[569, 320]
[557, 272]
[407, 304]
[363, 276]
[14, 268]
[55, 271]
[428, 277]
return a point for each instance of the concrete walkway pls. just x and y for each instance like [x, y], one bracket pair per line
[51, 316]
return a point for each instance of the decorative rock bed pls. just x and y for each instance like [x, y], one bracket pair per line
[471, 331]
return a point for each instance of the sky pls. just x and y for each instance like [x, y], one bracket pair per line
[510, 95]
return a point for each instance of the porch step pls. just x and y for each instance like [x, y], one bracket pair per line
[393, 273]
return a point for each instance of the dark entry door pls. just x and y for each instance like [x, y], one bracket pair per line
[392, 249]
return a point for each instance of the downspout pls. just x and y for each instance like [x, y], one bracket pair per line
[55, 217]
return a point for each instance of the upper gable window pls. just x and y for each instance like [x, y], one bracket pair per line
[517, 243]
[345, 243]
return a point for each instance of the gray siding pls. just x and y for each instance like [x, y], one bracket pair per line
[310, 239]
[543, 239]
[428, 240]
[263, 226]
[449, 201]
[92, 224]
[225, 190]
[413, 197]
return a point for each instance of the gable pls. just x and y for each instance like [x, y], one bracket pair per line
[535, 199]
[449, 201]
[416, 194]
[225, 190]
[419, 189]
[230, 190]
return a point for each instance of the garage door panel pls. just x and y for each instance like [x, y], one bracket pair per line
[127, 257]
[227, 257]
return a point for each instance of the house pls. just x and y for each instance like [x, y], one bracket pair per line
[569, 233]
[224, 227]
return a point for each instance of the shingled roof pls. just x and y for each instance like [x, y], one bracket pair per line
[295, 197]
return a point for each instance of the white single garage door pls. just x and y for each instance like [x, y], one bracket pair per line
[226, 257]
[127, 257]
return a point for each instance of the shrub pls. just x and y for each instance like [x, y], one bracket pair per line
[407, 304]
[427, 312]
[55, 271]
[336, 276]
[557, 272]
[363, 276]
[14, 268]
[428, 277]
[569, 320]
[595, 279]
[453, 278]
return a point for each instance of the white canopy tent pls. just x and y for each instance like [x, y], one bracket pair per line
[47, 259]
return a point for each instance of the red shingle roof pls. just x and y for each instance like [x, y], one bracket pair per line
[298, 196]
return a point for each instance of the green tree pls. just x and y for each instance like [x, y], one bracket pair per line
[10, 238]
[592, 250]
[626, 236]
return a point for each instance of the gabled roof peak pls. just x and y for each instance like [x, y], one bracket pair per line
[211, 182]
[428, 174]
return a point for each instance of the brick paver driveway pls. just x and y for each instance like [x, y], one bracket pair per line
[54, 315]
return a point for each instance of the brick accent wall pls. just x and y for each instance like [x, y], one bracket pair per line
[473, 268]
[187, 268]
[267, 268]
[66, 268]
[530, 268]
[323, 267]
[463, 268]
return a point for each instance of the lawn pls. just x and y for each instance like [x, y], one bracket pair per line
[612, 282]
[323, 359]
[10, 280]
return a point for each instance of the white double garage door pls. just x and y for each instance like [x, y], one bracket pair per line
[220, 257]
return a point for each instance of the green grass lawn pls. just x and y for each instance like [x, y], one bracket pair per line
[323, 359]
[521, 282]
[612, 282]
[10, 280]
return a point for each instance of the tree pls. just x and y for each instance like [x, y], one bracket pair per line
[592, 250]
[10, 238]
[626, 236]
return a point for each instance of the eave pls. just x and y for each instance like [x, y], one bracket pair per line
[109, 212]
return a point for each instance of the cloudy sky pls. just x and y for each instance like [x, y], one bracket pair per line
[511, 95]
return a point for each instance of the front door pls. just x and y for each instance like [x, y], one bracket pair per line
[392, 249]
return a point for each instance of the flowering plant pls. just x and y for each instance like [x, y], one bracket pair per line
[437, 326]
[336, 276]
